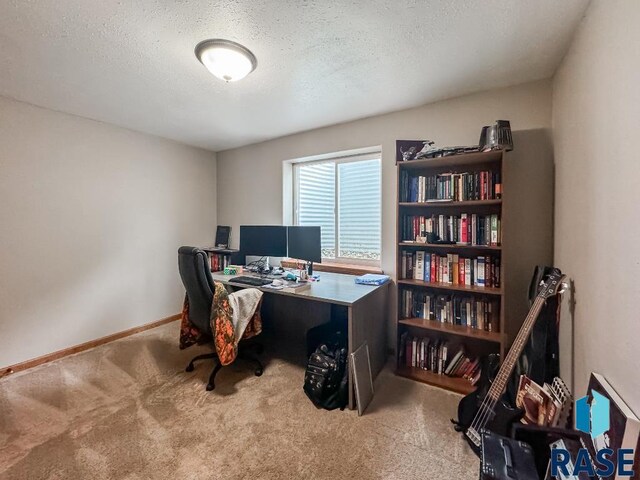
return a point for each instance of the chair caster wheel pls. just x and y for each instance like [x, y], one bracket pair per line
[189, 368]
[258, 372]
[210, 386]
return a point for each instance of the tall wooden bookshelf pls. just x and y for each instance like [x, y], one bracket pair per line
[526, 202]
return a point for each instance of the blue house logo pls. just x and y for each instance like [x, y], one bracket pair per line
[593, 419]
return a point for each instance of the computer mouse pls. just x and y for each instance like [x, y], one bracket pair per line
[277, 283]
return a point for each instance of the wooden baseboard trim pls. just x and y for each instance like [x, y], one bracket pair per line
[50, 357]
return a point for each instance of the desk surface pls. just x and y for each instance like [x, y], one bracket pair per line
[337, 288]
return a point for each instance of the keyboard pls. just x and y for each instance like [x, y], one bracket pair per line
[253, 281]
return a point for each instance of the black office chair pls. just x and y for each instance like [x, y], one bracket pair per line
[193, 264]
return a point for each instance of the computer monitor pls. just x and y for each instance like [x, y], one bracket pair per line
[263, 240]
[304, 243]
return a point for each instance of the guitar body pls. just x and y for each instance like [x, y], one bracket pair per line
[499, 421]
[503, 415]
[469, 405]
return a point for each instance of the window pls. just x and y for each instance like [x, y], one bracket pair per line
[343, 196]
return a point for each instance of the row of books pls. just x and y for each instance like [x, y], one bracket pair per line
[465, 310]
[219, 262]
[463, 229]
[457, 187]
[439, 357]
[451, 269]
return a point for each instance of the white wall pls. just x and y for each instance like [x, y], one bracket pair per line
[91, 217]
[596, 123]
[252, 175]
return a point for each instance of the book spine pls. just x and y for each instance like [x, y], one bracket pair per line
[480, 270]
[464, 238]
[434, 268]
[456, 273]
[427, 268]
[474, 272]
[467, 271]
[418, 273]
[474, 229]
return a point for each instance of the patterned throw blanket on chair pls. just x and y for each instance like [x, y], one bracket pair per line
[234, 317]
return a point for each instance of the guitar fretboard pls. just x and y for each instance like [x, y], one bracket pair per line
[500, 382]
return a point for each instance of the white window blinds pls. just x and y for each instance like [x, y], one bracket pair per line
[343, 197]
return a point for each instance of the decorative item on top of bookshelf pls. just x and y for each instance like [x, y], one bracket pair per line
[496, 137]
[492, 137]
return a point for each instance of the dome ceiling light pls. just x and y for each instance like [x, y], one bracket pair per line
[227, 60]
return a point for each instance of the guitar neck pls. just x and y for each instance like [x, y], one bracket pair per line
[500, 382]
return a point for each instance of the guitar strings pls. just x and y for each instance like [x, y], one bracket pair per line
[489, 402]
[485, 410]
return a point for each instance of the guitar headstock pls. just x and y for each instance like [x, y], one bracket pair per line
[553, 285]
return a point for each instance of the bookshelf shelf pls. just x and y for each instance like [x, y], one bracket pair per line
[447, 286]
[447, 328]
[444, 246]
[455, 384]
[454, 161]
[438, 205]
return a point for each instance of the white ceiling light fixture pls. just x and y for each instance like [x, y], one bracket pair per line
[227, 60]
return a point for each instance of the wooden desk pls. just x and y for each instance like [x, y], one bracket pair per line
[366, 312]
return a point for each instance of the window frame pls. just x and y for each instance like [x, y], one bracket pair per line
[337, 160]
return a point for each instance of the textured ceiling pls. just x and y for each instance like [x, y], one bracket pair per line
[131, 63]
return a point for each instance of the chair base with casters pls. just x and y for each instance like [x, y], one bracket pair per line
[245, 352]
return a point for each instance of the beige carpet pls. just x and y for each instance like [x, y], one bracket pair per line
[127, 410]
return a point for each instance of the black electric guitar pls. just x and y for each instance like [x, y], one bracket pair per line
[485, 408]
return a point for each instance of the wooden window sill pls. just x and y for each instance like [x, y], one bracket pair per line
[347, 268]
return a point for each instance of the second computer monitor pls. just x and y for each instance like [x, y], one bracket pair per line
[263, 240]
[304, 243]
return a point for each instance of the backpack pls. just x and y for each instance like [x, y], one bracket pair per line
[326, 378]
